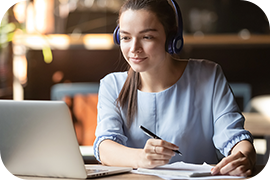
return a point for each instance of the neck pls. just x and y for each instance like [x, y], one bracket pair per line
[163, 78]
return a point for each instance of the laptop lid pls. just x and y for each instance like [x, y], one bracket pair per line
[37, 138]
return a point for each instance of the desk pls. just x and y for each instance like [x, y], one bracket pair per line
[257, 124]
[131, 176]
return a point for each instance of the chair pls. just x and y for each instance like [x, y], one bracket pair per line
[59, 91]
[82, 99]
[242, 90]
[260, 104]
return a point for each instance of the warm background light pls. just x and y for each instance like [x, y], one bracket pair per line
[30, 23]
[37, 15]
[98, 41]
[19, 11]
[20, 68]
[44, 19]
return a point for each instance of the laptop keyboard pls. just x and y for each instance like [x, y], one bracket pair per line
[89, 171]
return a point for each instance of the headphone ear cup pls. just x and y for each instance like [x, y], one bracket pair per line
[177, 44]
[116, 36]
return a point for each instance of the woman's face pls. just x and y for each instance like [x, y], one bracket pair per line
[142, 40]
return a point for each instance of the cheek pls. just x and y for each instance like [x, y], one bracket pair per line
[156, 49]
[124, 50]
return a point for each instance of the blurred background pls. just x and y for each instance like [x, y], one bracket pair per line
[44, 43]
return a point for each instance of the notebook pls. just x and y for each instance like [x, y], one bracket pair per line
[179, 170]
[37, 138]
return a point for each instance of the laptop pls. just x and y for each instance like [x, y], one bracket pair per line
[37, 138]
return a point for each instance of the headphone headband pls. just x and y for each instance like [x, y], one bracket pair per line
[174, 44]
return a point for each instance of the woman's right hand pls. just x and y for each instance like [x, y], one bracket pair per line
[156, 152]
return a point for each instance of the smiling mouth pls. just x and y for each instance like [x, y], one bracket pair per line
[137, 60]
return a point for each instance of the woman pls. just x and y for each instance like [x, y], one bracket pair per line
[187, 103]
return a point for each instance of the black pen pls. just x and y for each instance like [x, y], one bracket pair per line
[152, 135]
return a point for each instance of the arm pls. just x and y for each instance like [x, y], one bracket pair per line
[230, 136]
[110, 146]
[155, 153]
[240, 162]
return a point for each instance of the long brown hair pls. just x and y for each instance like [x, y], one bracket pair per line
[166, 15]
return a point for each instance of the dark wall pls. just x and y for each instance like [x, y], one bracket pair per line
[210, 17]
[249, 64]
[76, 65]
[223, 16]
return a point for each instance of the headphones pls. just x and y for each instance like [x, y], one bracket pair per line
[174, 44]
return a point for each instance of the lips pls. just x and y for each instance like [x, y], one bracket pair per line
[137, 59]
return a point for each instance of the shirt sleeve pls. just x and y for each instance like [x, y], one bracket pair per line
[228, 120]
[109, 120]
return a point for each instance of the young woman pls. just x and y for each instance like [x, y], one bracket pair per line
[188, 103]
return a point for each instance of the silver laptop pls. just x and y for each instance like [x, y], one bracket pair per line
[37, 138]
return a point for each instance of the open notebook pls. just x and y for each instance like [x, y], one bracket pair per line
[179, 169]
[182, 170]
[37, 138]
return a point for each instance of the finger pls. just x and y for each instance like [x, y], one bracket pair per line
[164, 151]
[234, 167]
[242, 167]
[224, 162]
[153, 160]
[247, 173]
[162, 143]
[241, 171]
[155, 163]
[149, 147]
[158, 157]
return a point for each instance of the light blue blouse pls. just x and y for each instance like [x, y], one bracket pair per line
[198, 114]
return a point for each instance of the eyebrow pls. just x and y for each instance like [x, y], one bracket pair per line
[143, 31]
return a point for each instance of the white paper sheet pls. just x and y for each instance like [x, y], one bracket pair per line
[181, 170]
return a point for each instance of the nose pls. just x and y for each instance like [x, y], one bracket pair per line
[135, 47]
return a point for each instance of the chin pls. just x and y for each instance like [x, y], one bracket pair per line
[137, 69]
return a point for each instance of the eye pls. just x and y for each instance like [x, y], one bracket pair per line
[148, 37]
[125, 38]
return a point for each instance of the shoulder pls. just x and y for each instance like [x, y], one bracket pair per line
[116, 76]
[204, 67]
[203, 63]
[114, 80]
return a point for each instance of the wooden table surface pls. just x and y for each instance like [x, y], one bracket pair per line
[131, 176]
[257, 124]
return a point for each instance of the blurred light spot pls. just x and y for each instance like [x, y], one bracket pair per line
[44, 19]
[30, 23]
[88, 3]
[57, 76]
[98, 41]
[19, 11]
[20, 68]
[198, 35]
[102, 3]
[47, 54]
[260, 146]
[59, 41]
[19, 49]
[244, 34]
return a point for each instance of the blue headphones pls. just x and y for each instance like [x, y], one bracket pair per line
[174, 44]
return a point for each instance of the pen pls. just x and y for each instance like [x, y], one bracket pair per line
[152, 135]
